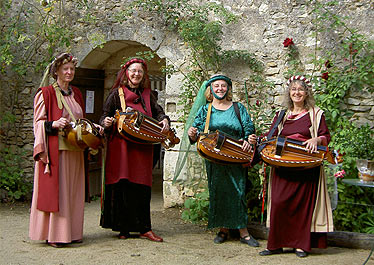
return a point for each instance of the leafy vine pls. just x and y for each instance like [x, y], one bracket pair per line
[200, 27]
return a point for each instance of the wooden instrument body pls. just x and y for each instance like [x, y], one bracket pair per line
[222, 149]
[284, 152]
[83, 134]
[142, 129]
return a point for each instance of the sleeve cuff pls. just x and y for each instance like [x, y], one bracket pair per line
[49, 129]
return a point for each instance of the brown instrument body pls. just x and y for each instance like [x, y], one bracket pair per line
[83, 134]
[222, 149]
[139, 128]
[283, 152]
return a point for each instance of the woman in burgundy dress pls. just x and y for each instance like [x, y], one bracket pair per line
[128, 169]
[299, 210]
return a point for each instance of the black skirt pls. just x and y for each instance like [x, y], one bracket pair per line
[127, 207]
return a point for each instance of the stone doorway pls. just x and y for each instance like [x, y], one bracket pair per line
[91, 83]
[106, 61]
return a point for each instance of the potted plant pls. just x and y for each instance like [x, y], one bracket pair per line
[364, 153]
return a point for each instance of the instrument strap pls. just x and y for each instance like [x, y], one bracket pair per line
[237, 112]
[279, 119]
[123, 107]
[122, 99]
[208, 118]
[61, 97]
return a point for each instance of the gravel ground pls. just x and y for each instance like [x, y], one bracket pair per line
[185, 243]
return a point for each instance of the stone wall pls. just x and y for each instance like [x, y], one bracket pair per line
[261, 30]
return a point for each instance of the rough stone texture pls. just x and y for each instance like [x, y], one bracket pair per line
[261, 30]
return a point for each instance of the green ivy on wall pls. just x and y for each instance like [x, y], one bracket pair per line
[199, 26]
[31, 34]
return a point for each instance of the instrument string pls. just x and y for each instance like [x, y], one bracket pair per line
[158, 132]
[236, 151]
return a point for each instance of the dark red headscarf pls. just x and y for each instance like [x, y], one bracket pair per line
[123, 73]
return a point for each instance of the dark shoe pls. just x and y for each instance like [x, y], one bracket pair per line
[56, 245]
[220, 238]
[250, 241]
[301, 254]
[268, 252]
[151, 236]
[78, 241]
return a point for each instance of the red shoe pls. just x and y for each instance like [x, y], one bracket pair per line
[151, 236]
[123, 236]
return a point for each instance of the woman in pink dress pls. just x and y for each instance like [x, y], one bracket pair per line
[59, 180]
[299, 209]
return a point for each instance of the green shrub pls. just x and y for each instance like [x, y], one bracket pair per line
[369, 223]
[11, 176]
[196, 208]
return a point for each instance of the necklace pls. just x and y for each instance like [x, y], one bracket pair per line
[66, 93]
[298, 112]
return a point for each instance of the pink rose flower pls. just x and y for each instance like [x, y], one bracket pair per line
[340, 174]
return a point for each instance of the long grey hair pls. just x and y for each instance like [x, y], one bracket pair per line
[309, 101]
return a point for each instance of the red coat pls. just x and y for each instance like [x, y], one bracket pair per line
[49, 182]
[125, 159]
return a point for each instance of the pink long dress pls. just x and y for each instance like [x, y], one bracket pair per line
[66, 225]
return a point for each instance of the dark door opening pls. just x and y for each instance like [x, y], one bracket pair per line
[91, 83]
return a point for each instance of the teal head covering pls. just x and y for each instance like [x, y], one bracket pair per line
[200, 100]
[185, 146]
[219, 77]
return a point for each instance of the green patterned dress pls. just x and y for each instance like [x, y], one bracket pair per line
[226, 183]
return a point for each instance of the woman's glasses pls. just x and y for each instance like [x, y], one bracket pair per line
[133, 71]
[297, 89]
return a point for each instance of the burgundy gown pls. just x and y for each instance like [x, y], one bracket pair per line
[293, 194]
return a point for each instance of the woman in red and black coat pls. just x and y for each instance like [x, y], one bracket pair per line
[128, 169]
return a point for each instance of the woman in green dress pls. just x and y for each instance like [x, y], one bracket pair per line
[226, 183]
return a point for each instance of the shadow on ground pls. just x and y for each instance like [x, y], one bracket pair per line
[185, 243]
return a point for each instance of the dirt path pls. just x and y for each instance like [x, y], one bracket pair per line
[184, 244]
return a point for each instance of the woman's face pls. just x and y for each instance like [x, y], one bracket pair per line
[135, 74]
[297, 93]
[65, 73]
[219, 87]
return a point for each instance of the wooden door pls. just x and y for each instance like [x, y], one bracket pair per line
[91, 83]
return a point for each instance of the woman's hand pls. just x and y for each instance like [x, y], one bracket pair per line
[312, 144]
[192, 133]
[252, 139]
[100, 128]
[165, 125]
[246, 147]
[61, 123]
[107, 122]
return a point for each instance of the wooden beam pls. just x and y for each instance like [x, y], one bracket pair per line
[334, 239]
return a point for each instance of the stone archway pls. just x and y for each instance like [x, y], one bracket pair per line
[108, 59]
[125, 37]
